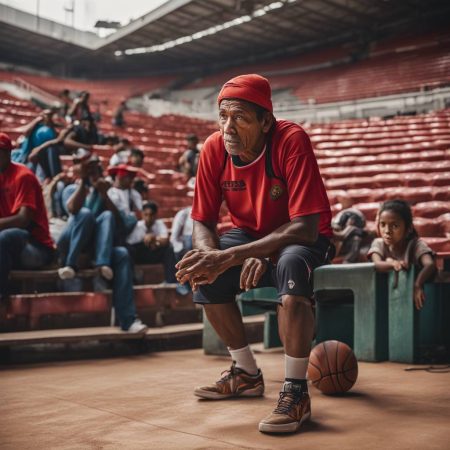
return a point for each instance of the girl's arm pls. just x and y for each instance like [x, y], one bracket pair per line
[427, 273]
[388, 264]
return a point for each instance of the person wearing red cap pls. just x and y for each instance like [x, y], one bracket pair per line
[266, 172]
[127, 200]
[25, 240]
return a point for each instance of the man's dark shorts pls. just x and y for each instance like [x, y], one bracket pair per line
[292, 274]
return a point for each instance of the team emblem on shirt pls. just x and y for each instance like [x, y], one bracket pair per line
[276, 191]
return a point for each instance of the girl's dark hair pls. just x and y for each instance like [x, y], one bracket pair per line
[403, 209]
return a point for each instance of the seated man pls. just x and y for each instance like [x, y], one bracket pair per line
[149, 244]
[83, 135]
[25, 240]
[91, 224]
[189, 159]
[181, 236]
[122, 152]
[127, 200]
[38, 132]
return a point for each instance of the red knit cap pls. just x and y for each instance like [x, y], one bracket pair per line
[5, 142]
[122, 170]
[253, 88]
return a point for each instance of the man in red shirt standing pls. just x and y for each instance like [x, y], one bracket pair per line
[266, 172]
[25, 240]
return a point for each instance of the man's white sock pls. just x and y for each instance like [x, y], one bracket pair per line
[296, 368]
[244, 359]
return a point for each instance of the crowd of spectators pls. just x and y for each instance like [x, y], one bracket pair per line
[86, 216]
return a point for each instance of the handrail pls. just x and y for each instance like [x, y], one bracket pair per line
[31, 88]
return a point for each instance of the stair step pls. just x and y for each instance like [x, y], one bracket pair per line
[73, 335]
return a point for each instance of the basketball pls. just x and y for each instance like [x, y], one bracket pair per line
[333, 367]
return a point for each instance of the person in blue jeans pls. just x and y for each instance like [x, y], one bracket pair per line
[25, 240]
[91, 225]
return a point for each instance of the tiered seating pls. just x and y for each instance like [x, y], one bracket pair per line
[392, 66]
[365, 162]
[15, 113]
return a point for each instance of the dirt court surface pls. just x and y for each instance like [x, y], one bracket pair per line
[146, 402]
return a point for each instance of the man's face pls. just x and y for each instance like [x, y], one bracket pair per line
[192, 143]
[149, 217]
[125, 181]
[48, 116]
[242, 132]
[5, 159]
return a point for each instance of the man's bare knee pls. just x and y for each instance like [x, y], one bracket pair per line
[295, 301]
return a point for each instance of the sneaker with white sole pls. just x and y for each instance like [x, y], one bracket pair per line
[235, 382]
[137, 327]
[66, 273]
[106, 272]
[294, 408]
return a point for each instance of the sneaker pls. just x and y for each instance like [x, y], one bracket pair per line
[294, 408]
[234, 383]
[137, 327]
[106, 272]
[66, 273]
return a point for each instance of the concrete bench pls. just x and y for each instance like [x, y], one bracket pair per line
[413, 334]
[352, 306]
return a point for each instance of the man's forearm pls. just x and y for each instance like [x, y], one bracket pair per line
[204, 236]
[19, 220]
[71, 144]
[76, 201]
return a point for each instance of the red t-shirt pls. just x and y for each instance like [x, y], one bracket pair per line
[257, 203]
[20, 187]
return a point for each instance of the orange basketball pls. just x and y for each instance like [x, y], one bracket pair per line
[333, 367]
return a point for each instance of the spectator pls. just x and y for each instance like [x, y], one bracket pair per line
[126, 199]
[149, 244]
[122, 153]
[348, 233]
[399, 246]
[83, 135]
[80, 108]
[181, 236]
[91, 224]
[47, 154]
[119, 120]
[136, 158]
[39, 130]
[25, 240]
[66, 101]
[189, 159]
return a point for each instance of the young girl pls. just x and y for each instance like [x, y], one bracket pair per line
[399, 246]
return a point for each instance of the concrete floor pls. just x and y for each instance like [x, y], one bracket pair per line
[146, 402]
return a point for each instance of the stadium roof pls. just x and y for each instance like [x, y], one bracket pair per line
[208, 34]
